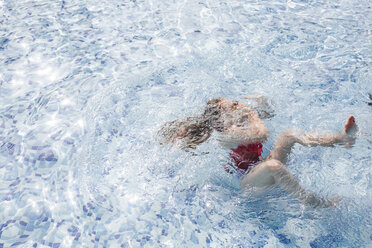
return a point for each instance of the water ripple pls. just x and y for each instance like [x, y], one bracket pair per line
[85, 85]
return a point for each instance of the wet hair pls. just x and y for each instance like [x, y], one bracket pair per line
[192, 131]
[212, 114]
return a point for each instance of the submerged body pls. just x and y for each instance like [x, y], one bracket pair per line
[242, 130]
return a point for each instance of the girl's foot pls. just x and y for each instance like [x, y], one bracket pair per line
[350, 129]
[350, 126]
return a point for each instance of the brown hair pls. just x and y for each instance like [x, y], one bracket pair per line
[193, 130]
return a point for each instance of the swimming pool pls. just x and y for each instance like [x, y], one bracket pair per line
[85, 85]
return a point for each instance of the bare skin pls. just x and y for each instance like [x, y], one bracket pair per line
[273, 172]
[241, 124]
[235, 134]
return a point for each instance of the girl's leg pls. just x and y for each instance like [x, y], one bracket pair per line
[286, 141]
[273, 172]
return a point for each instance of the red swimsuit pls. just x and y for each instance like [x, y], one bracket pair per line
[246, 156]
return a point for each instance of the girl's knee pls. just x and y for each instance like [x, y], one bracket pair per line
[274, 165]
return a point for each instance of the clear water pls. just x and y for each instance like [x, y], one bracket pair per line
[85, 85]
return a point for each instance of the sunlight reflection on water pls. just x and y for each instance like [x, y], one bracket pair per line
[84, 87]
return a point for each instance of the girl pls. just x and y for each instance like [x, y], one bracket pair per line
[242, 130]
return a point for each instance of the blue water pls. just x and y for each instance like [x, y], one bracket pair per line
[85, 85]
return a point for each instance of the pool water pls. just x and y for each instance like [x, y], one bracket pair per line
[85, 85]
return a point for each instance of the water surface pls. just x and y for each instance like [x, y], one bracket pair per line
[85, 85]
